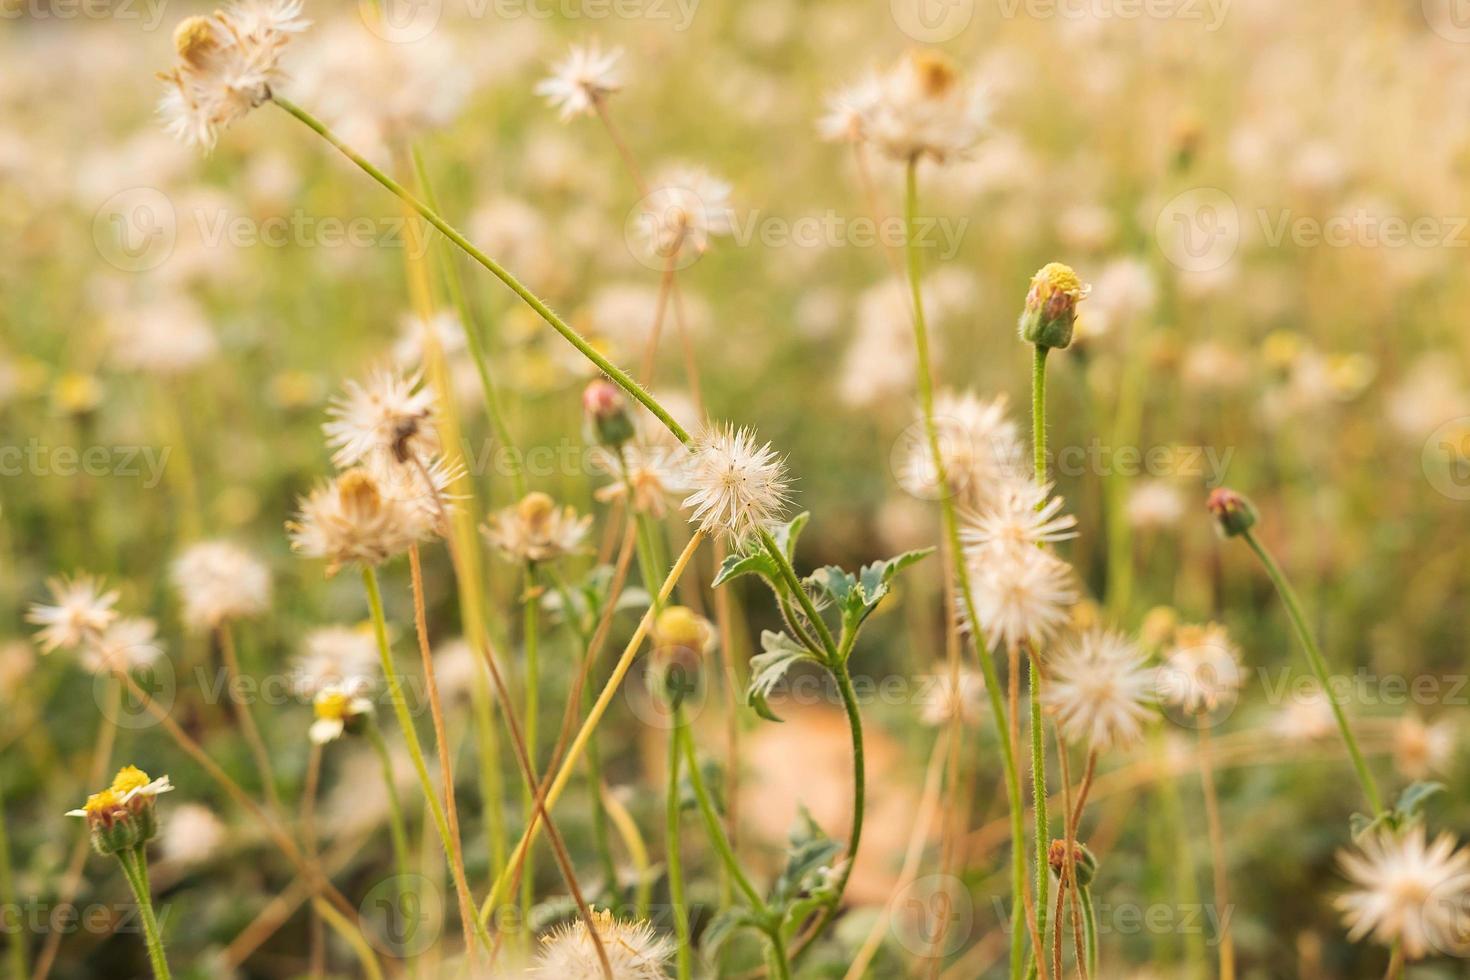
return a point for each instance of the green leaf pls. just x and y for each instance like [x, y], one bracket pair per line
[725, 925]
[1412, 800]
[767, 669]
[786, 534]
[736, 565]
[808, 853]
[1361, 824]
[713, 777]
[838, 585]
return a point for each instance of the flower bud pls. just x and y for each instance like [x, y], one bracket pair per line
[1084, 864]
[1234, 514]
[1051, 306]
[123, 816]
[680, 641]
[607, 412]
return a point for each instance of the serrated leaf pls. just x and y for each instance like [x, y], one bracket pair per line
[786, 534]
[755, 563]
[1413, 798]
[838, 585]
[808, 852]
[768, 668]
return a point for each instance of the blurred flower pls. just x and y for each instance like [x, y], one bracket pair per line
[219, 581]
[127, 644]
[536, 530]
[355, 518]
[1408, 892]
[1125, 290]
[654, 466]
[1202, 670]
[228, 63]
[165, 337]
[850, 109]
[582, 79]
[952, 697]
[925, 109]
[738, 487]
[389, 417]
[686, 207]
[1100, 690]
[978, 445]
[1022, 514]
[1420, 750]
[194, 834]
[1306, 716]
[634, 950]
[81, 611]
[336, 656]
[334, 708]
[1022, 595]
[1154, 504]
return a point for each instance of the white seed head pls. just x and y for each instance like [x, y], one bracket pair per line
[634, 950]
[80, 610]
[738, 485]
[389, 417]
[582, 79]
[1408, 891]
[1202, 670]
[357, 519]
[218, 581]
[1100, 689]
[1023, 594]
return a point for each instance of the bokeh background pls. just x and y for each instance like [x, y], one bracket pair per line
[1269, 199]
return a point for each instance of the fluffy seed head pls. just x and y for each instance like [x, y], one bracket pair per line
[634, 950]
[1202, 671]
[738, 486]
[389, 417]
[925, 109]
[1408, 891]
[350, 520]
[581, 80]
[218, 581]
[1022, 595]
[79, 611]
[1100, 689]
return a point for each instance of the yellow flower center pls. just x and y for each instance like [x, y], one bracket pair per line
[129, 778]
[358, 492]
[677, 626]
[103, 802]
[1056, 277]
[331, 706]
[535, 510]
[194, 38]
[937, 74]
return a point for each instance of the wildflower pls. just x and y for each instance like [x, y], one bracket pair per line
[607, 413]
[389, 417]
[351, 519]
[121, 817]
[1420, 750]
[194, 834]
[680, 641]
[580, 81]
[978, 444]
[687, 206]
[634, 950]
[228, 63]
[1051, 306]
[336, 655]
[1306, 716]
[1408, 892]
[954, 697]
[1023, 515]
[925, 109]
[1234, 514]
[1023, 595]
[536, 530]
[219, 581]
[1202, 671]
[80, 613]
[1154, 504]
[850, 110]
[1100, 690]
[127, 644]
[738, 486]
[337, 709]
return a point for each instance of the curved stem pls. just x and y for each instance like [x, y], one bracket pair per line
[950, 521]
[1319, 667]
[788, 575]
[617, 374]
[671, 847]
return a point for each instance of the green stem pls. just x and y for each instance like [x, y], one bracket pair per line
[617, 374]
[676, 872]
[397, 827]
[411, 738]
[531, 638]
[788, 575]
[1319, 667]
[1038, 411]
[16, 946]
[135, 869]
[962, 581]
[1089, 926]
[1043, 822]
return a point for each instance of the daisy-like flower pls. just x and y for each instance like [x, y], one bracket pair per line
[1202, 671]
[335, 707]
[1023, 594]
[687, 206]
[389, 416]
[950, 697]
[979, 446]
[927, 109]
[121, 817]
[336, 655]
[1410, 892]
[536, 529]
[1021, 515]
[738, 485]
[80, 611]
[634, 950]
[127, 644]
[1100, 689]
[581, 80]
[227, 64]
[849, 110]
[1421, 750]
[218, 581]
[356, 519]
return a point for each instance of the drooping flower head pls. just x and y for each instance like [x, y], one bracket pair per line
[227, 65]
[1100, 689]
[581, 80]
[1234, 513]
[1408, 892]
[634, 949]
[388, 417]
[218, 581]
[536, 529]
[121, 817]
[80, 610]
[739, 486]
